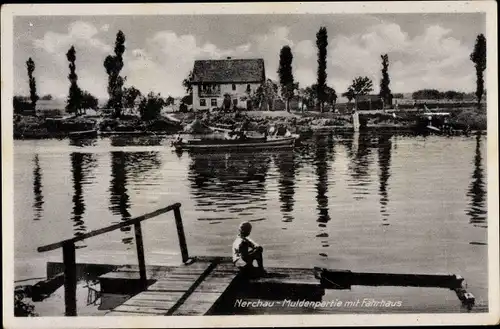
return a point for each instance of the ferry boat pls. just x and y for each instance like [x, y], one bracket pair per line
[246, 143]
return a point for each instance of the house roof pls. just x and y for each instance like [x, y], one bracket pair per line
[229, 70]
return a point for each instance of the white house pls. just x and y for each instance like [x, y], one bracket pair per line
[226, 83]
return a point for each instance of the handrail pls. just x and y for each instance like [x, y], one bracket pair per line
[110, 228]
[69, 249]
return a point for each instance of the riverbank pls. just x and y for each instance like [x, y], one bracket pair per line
[34, 127]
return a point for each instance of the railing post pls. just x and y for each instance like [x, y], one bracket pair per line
[180, 233]
[140, 254]
[69, 278]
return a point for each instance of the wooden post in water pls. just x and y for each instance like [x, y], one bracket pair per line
[69, 278]
[140, 254]
[180, 233]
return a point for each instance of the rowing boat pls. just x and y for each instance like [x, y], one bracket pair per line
[252, 143]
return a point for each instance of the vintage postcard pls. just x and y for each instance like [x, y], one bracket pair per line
[250, 164]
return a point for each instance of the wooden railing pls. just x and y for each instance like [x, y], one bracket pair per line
[68, 247]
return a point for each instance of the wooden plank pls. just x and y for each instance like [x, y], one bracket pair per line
[140, 253]
[69, 278]
[156, 304]
[138, 309]
[181, 235]
[122, 313]
[199, 303]
[208, 292]
[158, 296]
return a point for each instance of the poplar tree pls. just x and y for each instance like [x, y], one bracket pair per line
[322, 44]
[385, 91]
[478, 57]
[113, 66]
[32, 83]
[286, 75]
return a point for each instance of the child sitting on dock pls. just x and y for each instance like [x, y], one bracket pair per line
[245, 251]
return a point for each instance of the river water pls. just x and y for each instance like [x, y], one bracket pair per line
[363, 202]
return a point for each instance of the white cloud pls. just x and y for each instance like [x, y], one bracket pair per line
[80, 34]
[167, 59]
[430, 60]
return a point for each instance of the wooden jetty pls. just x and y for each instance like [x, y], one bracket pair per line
[203, 285]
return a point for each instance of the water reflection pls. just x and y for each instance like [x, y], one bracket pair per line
[285, 161]
[37, 188]
[128, 168]
[477, 190]
[323, 146]
[229, 182]
[119, 198]
[384, 163]
[136, 140]
[81, 165]
[360, 164]
[324, 156]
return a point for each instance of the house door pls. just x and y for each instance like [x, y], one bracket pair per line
[235, 103]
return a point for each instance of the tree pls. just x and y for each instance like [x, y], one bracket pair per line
[89, 101]
[427, 94]
[74, 101]
[150, 106]
[169, 101]
[478, 57]
[286, 75]
[130, 96]
[187, 83]
[33, 95]
[385, 91]
[330, 96]
[322, 44]
[21, 104]
[265, 94]
[349, 94]
[113, 66]
[47, 97]
[360, 86]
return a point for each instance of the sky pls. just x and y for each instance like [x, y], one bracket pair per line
[425, 50]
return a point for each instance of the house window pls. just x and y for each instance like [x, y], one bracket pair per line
[203, 102]
[213, 102]
[234, 86]
[249, 90]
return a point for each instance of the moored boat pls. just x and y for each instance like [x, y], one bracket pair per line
[252, 143]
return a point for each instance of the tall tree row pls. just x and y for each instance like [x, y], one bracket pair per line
[113, 66]
[286, 75]
[478, 57]
[322, 44]
[33, 95]
[74, 103]
[385, 91]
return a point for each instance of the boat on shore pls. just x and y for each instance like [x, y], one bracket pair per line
[249, 143]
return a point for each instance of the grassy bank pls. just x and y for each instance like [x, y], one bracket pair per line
[29, 127]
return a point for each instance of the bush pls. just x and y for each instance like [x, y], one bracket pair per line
[22, 307]
[150, 106]
[469, 119]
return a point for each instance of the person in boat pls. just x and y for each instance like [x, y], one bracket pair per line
[246, 251]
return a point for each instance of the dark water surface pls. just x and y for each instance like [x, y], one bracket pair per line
[359, 202]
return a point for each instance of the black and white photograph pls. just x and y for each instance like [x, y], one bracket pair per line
[249, 164]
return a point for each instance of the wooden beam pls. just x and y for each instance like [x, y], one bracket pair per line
[140, 254]
[69, 278]
[180, 233]
[110, 228]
